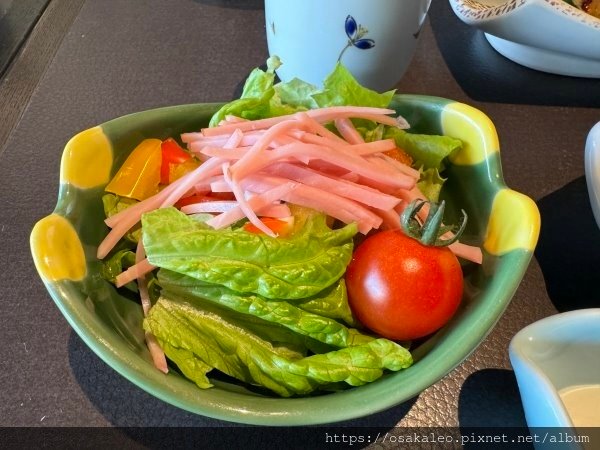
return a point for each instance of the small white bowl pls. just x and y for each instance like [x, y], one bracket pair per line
[592, 169]
[547, 35]
[557, 364]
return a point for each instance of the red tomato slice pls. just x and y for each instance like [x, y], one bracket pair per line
[208, 197]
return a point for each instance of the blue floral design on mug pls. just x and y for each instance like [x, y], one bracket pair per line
[356, 34]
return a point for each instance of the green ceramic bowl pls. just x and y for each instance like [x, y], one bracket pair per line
[504, 222]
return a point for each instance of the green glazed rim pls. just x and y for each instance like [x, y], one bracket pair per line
[63, 244]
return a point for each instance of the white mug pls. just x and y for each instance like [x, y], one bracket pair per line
[374, 39]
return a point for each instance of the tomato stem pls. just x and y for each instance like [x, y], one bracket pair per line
[433, 232]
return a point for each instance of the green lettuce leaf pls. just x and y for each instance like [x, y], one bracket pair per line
[331, 302]
[340, 88]
[371, 134]
[430, 184]
[246, 108]
[226, 346]
[117, 263]
[114, 204]
[297, 93]
[259, 98]
[256, 95]
[285, 342]
[190, 365]
[300, 266]
[320, 328]
[262, 98]
[259, 82]
[427, 151]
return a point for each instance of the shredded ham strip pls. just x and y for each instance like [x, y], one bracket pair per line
[343, 159]
[258, 203]
[347, 130]
[322, 115]
[343, 188]
[138, 270]
[333, 205]
[244, 206]
[218, 206]
[274, 210]
[158, 356]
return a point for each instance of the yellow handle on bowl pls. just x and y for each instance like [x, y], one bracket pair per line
[87, 159]
[514, 221]
[57, 251]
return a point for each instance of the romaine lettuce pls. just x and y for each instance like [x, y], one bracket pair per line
[194, 338]
[427, 151]
[258, 99]
[340, 88]
[300, 266]
[262, 98]
[318, 327]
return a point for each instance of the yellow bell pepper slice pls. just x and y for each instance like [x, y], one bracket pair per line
[139, 175]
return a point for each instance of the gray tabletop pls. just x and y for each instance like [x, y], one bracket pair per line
[85, 62]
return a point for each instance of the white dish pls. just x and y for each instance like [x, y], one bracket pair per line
[592, 169]
[554, 360]
[547, 35]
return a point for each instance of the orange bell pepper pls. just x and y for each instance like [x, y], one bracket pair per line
[139, 175]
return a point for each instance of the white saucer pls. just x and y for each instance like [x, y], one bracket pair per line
[547, 35]
[545, 60]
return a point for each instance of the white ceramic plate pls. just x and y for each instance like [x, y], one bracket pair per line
[592, 169]
[547, 35]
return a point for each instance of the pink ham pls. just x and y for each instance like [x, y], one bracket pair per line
[158, 356]
[295, 159]
[138, 270]
[316, 128]
[343, 188]
[278, 210]
[256, 203]
[348, 131]
[247, 163]
[323, 115]
[209, 207]
[243, 204]
[341, 208]
[343, 159]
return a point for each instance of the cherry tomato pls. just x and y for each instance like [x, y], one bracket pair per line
[402, 289]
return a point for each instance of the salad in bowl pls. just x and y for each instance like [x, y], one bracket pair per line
[296, 249]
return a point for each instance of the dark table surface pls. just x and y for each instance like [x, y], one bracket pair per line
[84, 62]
